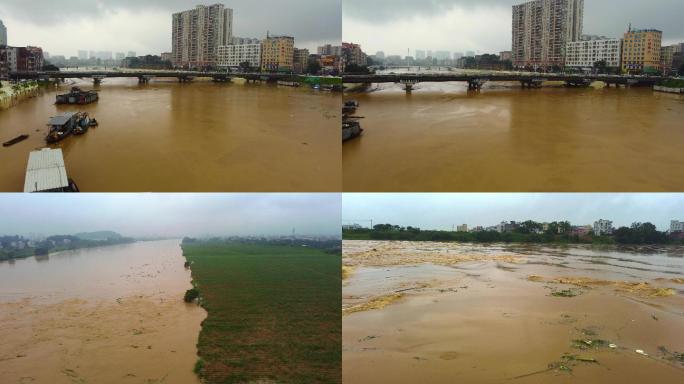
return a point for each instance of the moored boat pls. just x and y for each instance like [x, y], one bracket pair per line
[351, 128]
[78, 96]
[66, 124]
[16, 140]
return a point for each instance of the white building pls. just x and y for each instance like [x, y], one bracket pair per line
[583, 54]
[231, 56]
[462, 228]
[603, 227]
[676, 226]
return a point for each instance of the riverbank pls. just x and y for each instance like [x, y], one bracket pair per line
[273, 313]
[520, 313]
[11, 95]
[104, 315]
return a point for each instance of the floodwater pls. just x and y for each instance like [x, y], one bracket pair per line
[103, 315]
[488, 314]
[196, 137]
[443, 138]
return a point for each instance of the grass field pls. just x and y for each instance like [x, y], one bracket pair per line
[274, 313]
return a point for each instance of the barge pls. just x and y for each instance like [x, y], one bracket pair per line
[78, 96]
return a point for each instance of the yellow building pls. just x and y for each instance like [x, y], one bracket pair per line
[641, 51]
[277, 53]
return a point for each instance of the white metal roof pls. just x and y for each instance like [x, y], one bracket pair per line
[45, 171]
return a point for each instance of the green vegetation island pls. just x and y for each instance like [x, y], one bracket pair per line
[524, 232]
[273, 309]
[18, 247]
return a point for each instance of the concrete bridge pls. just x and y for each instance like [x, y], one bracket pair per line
[144, 77]
[476, 81]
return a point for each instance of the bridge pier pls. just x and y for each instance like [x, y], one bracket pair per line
[476, 84]
[185, 79]
[408, 84]
[97, 80]
[144, 79]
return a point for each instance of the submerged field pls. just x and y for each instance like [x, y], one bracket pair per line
[445, 312]
[273, 313]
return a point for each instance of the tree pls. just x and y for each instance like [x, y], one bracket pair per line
[357, 69]
[601, 66]
[245, 66]
[314, 67]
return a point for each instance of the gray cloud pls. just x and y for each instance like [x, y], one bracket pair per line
[609, 18]
[172, 214]
[310, 21]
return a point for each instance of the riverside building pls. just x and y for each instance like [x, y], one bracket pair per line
[198, 33]
[641, 51]
[583, 54]
[541, 30]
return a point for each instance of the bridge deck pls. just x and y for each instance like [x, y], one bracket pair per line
[422, 77]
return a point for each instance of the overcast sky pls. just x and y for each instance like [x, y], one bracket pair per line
[171, 214]
[442, 211]
[484, 26]
[144, 26]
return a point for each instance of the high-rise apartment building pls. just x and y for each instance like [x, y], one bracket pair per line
[3, 34]
[585, 53]
[541, 30]
[277, 53]
[641, 50]
[197, 34]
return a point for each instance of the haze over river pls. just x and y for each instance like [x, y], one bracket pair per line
[195, 137]
[102, 315]
[425, 312]
[443, 138]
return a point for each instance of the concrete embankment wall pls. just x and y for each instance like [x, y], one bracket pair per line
[10, 97]
[668, 89]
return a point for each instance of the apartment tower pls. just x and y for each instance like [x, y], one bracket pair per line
[277, 53]
[541, 30]
[641, 50]
[197, 34]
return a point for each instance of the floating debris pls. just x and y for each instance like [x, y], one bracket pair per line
[638, 288]
[641, 352]
[566, 293]
[376, 303]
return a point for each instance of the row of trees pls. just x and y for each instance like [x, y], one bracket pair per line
[525, 232]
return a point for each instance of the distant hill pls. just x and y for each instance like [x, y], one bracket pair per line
[99, 236]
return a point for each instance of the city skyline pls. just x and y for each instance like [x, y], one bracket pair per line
[484, 26]
[172, 215]
[445, 211]
[107, 26]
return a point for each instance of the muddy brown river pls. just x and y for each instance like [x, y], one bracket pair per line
[443, 138]
[445, 313]
[103, 315]
[196, 137]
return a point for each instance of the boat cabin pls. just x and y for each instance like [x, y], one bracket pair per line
[46, 172]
